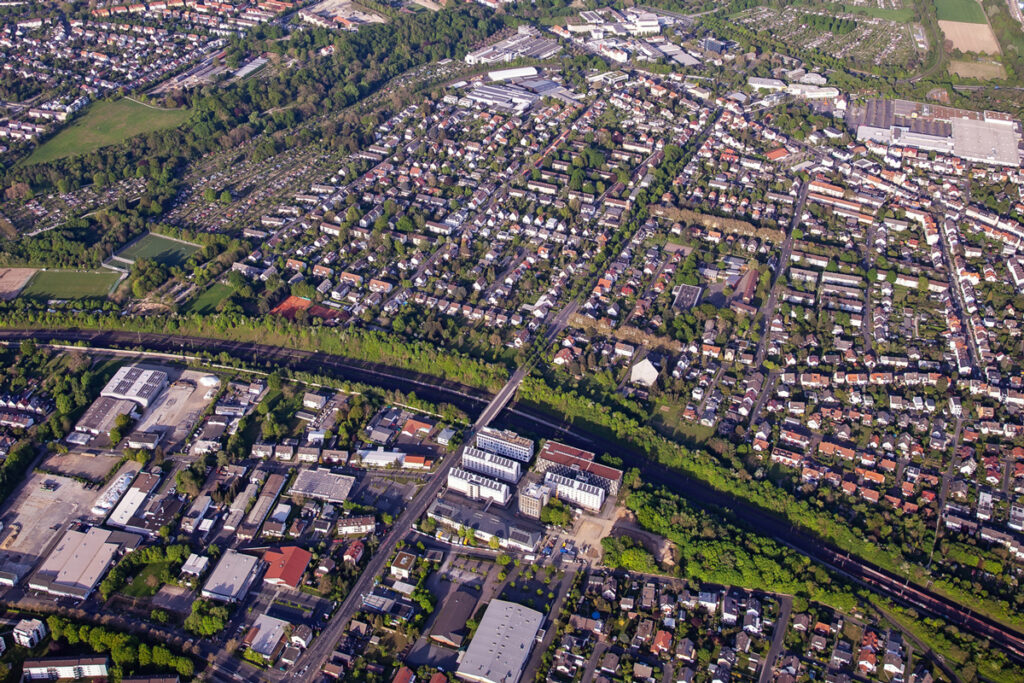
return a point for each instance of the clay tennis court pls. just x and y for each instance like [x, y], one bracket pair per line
[293, 304]
[290, 306]
[970, 37]
[13, 280]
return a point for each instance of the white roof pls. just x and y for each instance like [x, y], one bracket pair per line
[502, 643]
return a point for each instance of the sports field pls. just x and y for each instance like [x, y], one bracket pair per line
[157, 248]
[106, 123]
[70, 284]
[967, 11]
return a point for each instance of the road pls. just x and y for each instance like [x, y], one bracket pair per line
[778, 639]
[768, 307]
[696, 491]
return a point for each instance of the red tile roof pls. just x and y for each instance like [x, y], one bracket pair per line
[286, 565]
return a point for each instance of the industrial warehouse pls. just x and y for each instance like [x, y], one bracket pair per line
[987, 137]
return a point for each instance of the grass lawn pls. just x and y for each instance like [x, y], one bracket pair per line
[70, 284]
[968, 11]
[208, 300]
[668, 419]
[106, 123]
[160, 249]
[147, 582]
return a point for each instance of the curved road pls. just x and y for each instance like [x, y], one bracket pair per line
[466, 398]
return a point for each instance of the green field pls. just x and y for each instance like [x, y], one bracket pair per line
[207, 301]
[968, 11]
[106, 123]
[70, 284]
[160, 249]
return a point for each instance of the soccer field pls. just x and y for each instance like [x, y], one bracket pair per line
[967, 11]
[106, 123]
[70, 284]
[160, 249]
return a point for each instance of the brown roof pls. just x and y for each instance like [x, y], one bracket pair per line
[559, 454]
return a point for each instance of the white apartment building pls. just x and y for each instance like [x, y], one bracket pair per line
[505, 442]
[477, 486]
[491, 465]
[575, 492]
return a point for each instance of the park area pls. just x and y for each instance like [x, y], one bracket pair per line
[70, 284]
[106, 123]
[163, 250]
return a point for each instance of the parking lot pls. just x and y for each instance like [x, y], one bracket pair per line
[92, 465]
[40, 512]
[384, 494]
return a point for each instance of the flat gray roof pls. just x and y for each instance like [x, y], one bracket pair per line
[232, 577]
[322, 484]
[502, 643]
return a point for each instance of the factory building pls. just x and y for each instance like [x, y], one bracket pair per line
[501, 646]
[232, 578]
[135, 383]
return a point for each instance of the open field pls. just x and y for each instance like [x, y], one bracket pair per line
[981, 70]
[207, 301]
[70, 284]
[966, 11]
[968, 37]
[12, 280]
[160, 249]
[106, 123]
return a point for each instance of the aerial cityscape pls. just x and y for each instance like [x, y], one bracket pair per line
[425, 341]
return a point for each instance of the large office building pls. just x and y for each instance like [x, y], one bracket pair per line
[232, 578]
[505, 442]
[987, 137]
[501, 646]
[478, 487]
[578, 464]
[491, 465]
[135, 383]
[79, 561]
[575, 490]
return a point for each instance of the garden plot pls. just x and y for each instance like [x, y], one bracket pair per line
[860, 39]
